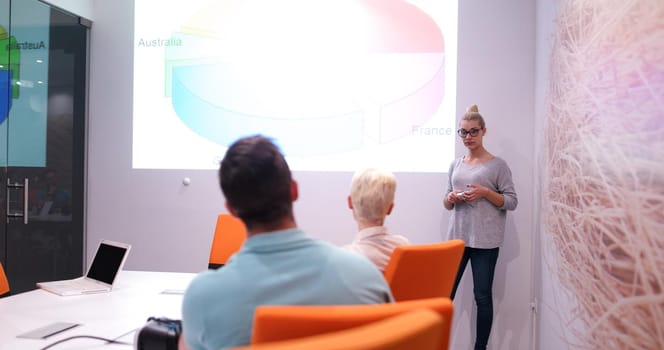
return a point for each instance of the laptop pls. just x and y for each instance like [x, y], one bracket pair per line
[108, 261]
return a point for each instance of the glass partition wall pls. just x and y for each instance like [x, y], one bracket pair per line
[43, 69]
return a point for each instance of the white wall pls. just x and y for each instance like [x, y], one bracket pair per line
[170, 226]
[496, 71]
[82, 8]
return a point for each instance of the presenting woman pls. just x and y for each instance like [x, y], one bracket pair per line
[480, 192]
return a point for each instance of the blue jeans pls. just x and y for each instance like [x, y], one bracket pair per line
[483, 265]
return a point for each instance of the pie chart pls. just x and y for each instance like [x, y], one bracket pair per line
[319, 77]
[9, 69]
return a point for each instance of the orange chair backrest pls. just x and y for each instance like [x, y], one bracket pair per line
[425, 270]
[4, 283]
[418, 329]
[229, 235]
[281, 322]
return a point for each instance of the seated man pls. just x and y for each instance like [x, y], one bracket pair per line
[371, 200]
[278, 263]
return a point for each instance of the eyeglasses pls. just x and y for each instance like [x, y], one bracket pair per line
[473, 132]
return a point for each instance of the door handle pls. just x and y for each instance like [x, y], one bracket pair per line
[17, 185]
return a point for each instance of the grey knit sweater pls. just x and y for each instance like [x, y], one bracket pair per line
[480, 223]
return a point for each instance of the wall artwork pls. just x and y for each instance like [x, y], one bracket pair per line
[603, 200]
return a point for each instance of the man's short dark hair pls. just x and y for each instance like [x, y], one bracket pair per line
[256, 181]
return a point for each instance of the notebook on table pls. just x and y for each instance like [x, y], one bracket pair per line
[105, 266]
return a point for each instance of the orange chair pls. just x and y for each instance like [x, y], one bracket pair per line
[424, 271]
[229, 235]
[418, 329]
[281, 322]
[4, 283]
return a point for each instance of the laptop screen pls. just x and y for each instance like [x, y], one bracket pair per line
[107, 262]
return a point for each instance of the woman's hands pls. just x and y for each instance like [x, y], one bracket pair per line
[475, 192]
[456, 197]
[472, 193]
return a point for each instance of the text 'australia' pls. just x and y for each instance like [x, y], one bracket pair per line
[159, 42]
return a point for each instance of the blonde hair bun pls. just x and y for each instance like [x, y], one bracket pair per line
[473, 108]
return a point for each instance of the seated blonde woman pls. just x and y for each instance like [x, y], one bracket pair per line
[371, 199]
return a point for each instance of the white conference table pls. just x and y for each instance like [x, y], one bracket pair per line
[136, 296]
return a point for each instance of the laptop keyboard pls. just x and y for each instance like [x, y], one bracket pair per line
[85, 285]
[77, 286]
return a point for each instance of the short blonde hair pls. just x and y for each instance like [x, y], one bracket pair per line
[372, 194]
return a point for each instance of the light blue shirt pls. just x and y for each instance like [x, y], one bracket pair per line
[277, 268]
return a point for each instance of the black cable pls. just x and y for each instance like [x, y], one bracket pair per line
[124, 334]
[109, 341]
